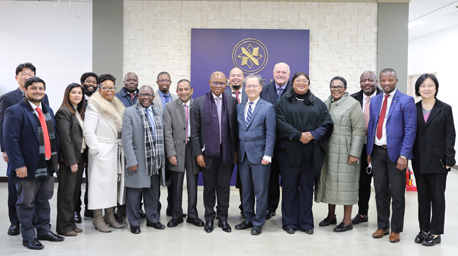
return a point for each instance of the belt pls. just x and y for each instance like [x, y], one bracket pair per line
[382, 146]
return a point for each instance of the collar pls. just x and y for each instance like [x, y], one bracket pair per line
[125, 92]
[254, 102]
[241, 88]
[391, 93]
[220, 96]
[283, 87]
[34, 106]
[162, 94]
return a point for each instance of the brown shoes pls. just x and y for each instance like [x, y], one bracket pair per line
[395, 237]
[380, 233]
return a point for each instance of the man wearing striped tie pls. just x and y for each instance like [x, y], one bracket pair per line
[257, 124]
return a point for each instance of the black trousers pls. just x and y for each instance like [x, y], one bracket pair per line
[365, 180]
[217, 175]
[12, 199]
[151, 199]
[191, 184]
[431, 198]
[388, 180]
[67, 196]
[273, 197]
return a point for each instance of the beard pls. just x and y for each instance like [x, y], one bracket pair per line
[87, 91]
[236, 87]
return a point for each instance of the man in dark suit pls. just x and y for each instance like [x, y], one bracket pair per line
[128, 94]
[214, 144]
[235, 89]
[271, 93]
[178, 152]
[31, 144]
[369, 89]
[257, 125]
[390, 138]
[23, 72]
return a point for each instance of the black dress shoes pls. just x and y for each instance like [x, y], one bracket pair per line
[244, 225]
[33, 244]
[430, 240]
[327, 221]
[421, 237]
[224, 225]
[156, 225]
[309, 231]
[359, 218]
[208, 226]
[135, 230]
[256, 230]
[196, 222]
[290, 230]
[342, 227]
[77, 217]
[142, 214]
[269, 214]
[174, 222]
[51, 237]
[13, 230]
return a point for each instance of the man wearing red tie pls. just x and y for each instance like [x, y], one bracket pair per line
[31, 144]
[390, 137]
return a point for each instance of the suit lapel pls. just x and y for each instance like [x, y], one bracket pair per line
[31, 116]
[420, 118]
[393, 104]
[434, 112]
[75, 120]
[18, 95]
[256, 109]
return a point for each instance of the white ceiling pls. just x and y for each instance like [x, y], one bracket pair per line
[437, 14]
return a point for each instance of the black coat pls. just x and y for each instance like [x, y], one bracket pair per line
[70, 135]
[435, 139]
[359, 95]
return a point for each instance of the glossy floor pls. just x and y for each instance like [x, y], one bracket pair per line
[189, 240]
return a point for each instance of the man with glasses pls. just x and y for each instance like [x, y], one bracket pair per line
[161, 97]
[257, 123]
[143, 143]
[214, 144]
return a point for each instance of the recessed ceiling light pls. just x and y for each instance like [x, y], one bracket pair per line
[415, 23]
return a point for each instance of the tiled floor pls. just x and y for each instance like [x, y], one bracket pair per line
[189, 240]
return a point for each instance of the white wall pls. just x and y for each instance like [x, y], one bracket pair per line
[438, 53]
[55, 41]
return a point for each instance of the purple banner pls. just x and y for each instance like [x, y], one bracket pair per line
[254, 51]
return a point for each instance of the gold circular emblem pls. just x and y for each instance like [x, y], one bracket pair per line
[250, 55]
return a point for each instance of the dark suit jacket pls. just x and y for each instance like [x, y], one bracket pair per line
[22, 142]
[258, 139]
[359, 96]
[435, 140]
[197, 131]
[125, 97]
[7, 100]
[269, 91]
[243, 98]
[401, 125]
[70, 135]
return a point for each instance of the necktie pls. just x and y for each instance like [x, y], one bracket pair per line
[249, 114]
[166, 98]
[381, 119]
[132, 96]
[237, 96]
[366, 112]
[280, 90]
[218, 108]
[186, 112]
[44, 127]
[151, 120]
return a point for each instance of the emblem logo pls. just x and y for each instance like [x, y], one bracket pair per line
[250, 55]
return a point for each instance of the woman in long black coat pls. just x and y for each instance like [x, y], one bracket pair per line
[434, 155]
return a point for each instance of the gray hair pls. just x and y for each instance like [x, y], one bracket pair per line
[253, 76]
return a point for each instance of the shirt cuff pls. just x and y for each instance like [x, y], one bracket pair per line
[268, 158]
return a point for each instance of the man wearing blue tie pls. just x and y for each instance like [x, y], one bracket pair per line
[257, 125]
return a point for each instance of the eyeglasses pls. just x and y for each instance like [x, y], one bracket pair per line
[336, 88]
[249, 86]
[145, 95]
[429, 86]
[164, 81]
[108, 89]
[219, 84]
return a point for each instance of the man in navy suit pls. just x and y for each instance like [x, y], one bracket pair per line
[128, 94]
[390, 137]
[31, 144]
[23, 72]
[257, 124]
[271, 93]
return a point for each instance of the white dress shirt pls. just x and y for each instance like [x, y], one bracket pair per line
[383, 141]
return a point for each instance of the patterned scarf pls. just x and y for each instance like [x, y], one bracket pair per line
[41, 174]
[154, 149]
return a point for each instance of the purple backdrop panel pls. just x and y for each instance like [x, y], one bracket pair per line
[255, 51]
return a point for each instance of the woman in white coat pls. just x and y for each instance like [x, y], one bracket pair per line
[102, 131]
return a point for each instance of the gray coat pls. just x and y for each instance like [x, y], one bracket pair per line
[133, 142]
[175, 133]
[339, 182]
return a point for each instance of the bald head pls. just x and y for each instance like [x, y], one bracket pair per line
[217, 83]
[368, 82]
[236, 79]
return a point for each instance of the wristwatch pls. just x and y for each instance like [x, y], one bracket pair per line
[403, 157]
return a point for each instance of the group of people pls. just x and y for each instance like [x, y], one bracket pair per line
[132, 141]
